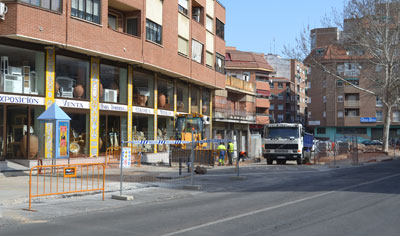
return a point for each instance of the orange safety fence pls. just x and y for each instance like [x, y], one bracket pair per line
[65, 179]
[113, 155]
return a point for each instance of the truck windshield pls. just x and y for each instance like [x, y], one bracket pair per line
[184, 124]
[281, 132]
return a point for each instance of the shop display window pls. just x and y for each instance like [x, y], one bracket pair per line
[113, 84]
[195, 103]
[72, 78]
[143, 129]
[205, 96]
[112, 131]
[79, 135]
[165, 131]
[21, 71]
[143, 89]
[165, 94]
[182, 94]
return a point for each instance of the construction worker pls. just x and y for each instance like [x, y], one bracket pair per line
[222, 149]
[242, 155]
[230, 152]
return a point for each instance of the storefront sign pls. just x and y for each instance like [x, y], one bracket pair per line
[17, 99]
[69, 172]
[62, 139]
[142, 110]
[165, 113]
[113, 107]
[368, 119]
[73, 103]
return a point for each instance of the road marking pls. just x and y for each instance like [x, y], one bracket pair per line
[275, 207]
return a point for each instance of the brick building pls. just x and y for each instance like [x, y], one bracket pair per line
[242, 108]
[288, 90]
[335, 108]
[120, 69]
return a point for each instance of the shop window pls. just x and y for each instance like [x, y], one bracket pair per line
[194, 94]
[79, 134]
[182, 95]
[143, 129]
[205, 102]
[53, 5]
[143, 89]
[21, 71]
[153, 32]
[113, 84]
[72, 78]
[111, 131]
[165, 131]
[165, 95]
[89, 10]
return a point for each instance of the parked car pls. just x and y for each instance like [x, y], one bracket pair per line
[372, 142]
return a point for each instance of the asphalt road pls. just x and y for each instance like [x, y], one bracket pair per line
[277, 200]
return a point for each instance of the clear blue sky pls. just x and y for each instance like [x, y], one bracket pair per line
[266, 25]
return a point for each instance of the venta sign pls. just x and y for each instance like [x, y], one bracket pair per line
[17, 99]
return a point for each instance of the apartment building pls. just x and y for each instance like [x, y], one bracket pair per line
[288, 86]
[242, 108]
[120, 69]
[335, 108]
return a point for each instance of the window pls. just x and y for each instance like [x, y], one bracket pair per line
[113, 82]
[197, 51]
[165, 94]
[54, 5]
[182, 97]
[340, 114]
[205, 102]
[197, 14]
[132, 26]
[246, 76]
[396, 116]
[89, 10]
[309, 114]
[153, 32]
[379, 116]
[143, 129]
[272, 107]
[323, 84]
[209, 24]
[321, 130]
[379, 102]
[323, 98]
[194, 98]
[352, 112]
[280, 96]
[280, 107]
[339, 83]
[183, 6]
[112, 22]
[324, 114]
[271, 85]
[340, 98]
[220, 29]
[143, 89]
[209, 59]
[280, 85]
[280, 118]
[183, 46]
[220, 63]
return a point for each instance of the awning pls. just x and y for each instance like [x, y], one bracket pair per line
[264, 93]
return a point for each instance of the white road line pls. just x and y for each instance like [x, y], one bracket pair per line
[275, 207]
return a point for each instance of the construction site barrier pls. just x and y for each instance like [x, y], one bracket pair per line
[201, 156]
[113, 155]
[65, 179]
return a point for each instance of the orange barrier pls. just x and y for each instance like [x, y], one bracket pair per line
[113, 155]
[65, 179]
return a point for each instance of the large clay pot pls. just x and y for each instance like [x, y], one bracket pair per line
[79, 91]
[33, 146]
[142, 100]
[161, 100]
[101, 91]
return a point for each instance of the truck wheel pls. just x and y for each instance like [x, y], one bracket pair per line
[269, 161]
[298, 161]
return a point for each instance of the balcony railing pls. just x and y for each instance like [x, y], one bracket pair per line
[227, 113]
[240, 84]
[349, 103]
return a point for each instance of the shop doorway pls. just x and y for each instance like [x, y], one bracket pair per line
[110, 132]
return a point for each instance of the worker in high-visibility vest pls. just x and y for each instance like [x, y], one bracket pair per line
[230, 152]
[222, 149]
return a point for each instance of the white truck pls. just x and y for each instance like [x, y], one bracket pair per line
[284, 142]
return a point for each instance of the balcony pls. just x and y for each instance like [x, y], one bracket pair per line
[239, 84]
[262, 119]
[262, 102]
[228, 113]
[351, 103]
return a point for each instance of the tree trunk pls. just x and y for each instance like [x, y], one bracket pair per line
[386, 128]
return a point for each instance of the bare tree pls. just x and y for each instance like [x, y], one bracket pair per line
[370, 34]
